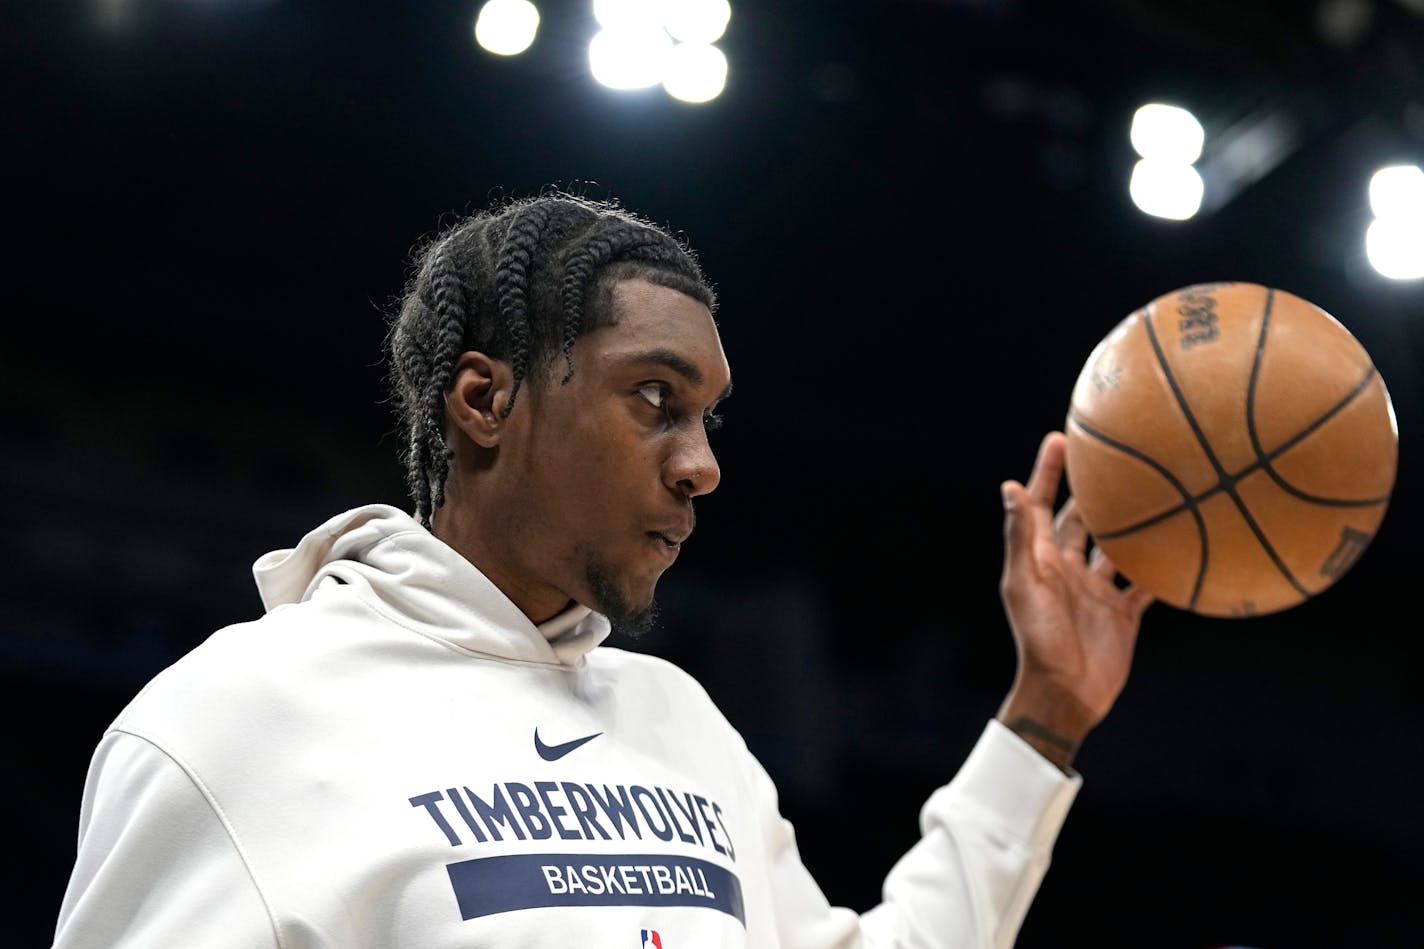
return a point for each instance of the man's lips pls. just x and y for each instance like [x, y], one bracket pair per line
[673, 533]
[671, 538]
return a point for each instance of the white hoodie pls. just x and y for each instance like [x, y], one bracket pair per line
[395, 756]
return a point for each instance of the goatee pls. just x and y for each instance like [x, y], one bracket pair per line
[631, 621]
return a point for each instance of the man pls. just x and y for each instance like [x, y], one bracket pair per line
[423, 743]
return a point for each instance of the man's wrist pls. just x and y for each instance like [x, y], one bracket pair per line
[1050, 720]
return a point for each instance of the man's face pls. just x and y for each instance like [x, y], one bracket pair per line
[599, 474]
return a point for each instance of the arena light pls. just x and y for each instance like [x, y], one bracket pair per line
[630, 57]
[696, 72]
[1397, 191]
[1394, 241]
[1166, 189]
[697, 21]
[506, 27]
[646, 42]
[1395, 248]
[1165, 182]
[1166, 132]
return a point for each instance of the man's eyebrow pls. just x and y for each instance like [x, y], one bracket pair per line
[674, 361]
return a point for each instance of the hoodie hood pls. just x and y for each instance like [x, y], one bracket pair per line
[400, 570]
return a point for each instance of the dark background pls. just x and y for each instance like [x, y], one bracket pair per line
[917, 218]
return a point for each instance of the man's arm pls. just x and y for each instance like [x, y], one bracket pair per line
[156, 865]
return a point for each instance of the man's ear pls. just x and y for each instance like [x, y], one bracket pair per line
[480, 389]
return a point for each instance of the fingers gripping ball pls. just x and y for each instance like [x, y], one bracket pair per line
[1232, 448]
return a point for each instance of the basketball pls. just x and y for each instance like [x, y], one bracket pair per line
[1232, 448]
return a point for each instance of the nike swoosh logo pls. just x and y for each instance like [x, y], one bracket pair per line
[555, 752]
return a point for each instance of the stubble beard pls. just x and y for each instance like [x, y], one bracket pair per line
[632, 621]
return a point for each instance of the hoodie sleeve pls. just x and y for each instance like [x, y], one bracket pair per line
[156, 865]
[986, 839]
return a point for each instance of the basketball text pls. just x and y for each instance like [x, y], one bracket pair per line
[1347, 551]
[1198, 318]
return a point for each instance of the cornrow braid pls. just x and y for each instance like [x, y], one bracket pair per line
[412, 363]
[511, 282]
[521, 281]
[630, 242]
[450, 335]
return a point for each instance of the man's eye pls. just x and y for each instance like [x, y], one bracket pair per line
[655, 392]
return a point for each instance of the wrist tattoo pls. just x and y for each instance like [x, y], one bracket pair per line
[1025, 727]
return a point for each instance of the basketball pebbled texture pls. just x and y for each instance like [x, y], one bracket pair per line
[1232, 448]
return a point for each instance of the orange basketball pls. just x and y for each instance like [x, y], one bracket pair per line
[1232, 448]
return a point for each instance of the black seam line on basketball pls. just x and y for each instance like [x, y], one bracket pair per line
[1265, 458]
[1261, 458]
[1193, 500]
[1256, 445]
[1181, 398]
[1223, 479]
[1188, 503]
[1254, 378]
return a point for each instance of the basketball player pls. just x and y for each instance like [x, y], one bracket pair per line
[423, 743]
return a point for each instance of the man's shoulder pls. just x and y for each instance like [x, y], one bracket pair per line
[227, 655]
[238, 666]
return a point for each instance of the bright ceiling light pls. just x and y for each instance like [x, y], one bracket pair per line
[630, 57]
[696, 21]
[696, 72]
[1167, 132]
[1166, 189]
[1395, 247]
[506, 27]
[1398, 191]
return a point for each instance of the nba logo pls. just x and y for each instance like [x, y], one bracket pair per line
[651, 938]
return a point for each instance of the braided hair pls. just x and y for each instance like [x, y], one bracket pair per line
[520, 282]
